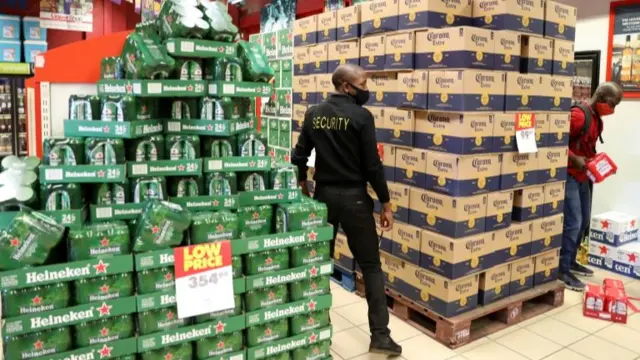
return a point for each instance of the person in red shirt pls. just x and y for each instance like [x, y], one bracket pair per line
[577, 206]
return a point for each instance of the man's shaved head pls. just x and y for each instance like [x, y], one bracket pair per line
[348, 73]
[608, 92]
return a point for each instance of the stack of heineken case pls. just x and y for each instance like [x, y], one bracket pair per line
[166, 155]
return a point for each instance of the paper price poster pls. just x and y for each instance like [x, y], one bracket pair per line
[74, 15]
[526, 133]
[204, 279]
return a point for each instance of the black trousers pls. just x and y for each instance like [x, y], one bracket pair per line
[352, 209]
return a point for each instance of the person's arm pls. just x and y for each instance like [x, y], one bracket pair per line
[302, 151]
[374, 171]
[576, 123]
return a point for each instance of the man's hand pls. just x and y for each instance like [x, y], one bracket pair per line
[578, 162]
[386, 217]
[305, 188]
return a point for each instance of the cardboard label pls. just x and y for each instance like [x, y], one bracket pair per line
[527, 204]
[391, 266]
[406, 243]
[453, 133]
[455, 48]
[560, 21]
[446, 215]
[156, 88]
[299, 111]
[522, 275]
[165, 168]
[542, 130]
[289, 275]
[563, 58]
[397, 127]
[305, 31]
[379, 16]
[557, 92]
[411, 167]
[399, 51]
[344, 52]
[513, 243]
[504, 133]
[463, 175]
[494, 284]
[319, 59]
[304, 90]
[348, 23]
[324, 87]
[270, 45]
[547, 234]
[372, 53]
[553, 199]
[250, 198]
[559, 126]
[537, 55]
[515, 15]
[83, 174]
[208, 127]
[553, 164]
[112, 350]
[466, 90]
[413, 89]
[523, 93]
[384, 90]
[300, 61]
[508, 49]
[519, 170]
[434, 14]
[499, 210]
[327, 27]
[456, 258]
[205, 203]
[122, 130]
[272, 348]
[289, 310]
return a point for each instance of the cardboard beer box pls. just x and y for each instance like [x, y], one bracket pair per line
[546, 267]
[274, 132]
[304, 90]
[372, 53]
[499, 210]
[525, 16]
[299, 112]
[319, 59]
[563, 58]
[284, 103]
[508, 51]
[523, 92]
[305, 31]
[389, 163]
[324, 87]
[406, 243]
[553, 164]
[300, 61]
[391, 266]
[614, 228]
[285, 44]
[444, 296]
[547, 234]
[270, 45]
[542, 130]
[615, 303]
[559, 127]
[385, 237]
[411, 167]
[494, 284]
[629, 255]
[413, 89]
[560, 21]
[295, 135]
[376, 202]
[504, 133]
[518, 170]
[378, 16]
[553, 199]
[537, 55]
[344, 52]
[522, 273]
[327, 27]
[378, 120]
[512, 243]
[419, 14]
[527, 204]
[384, 90]
[399, 51]
[455, 133]
[456, 258]
[446, 215]
[593, 304]
[285, 134]
[397, 127]
[556, 93]
[342, 255]
[455, 48]
[399, 194]
[459, 175]
[348, 23]
[466, 90]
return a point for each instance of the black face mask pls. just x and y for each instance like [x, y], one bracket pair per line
[361, 97]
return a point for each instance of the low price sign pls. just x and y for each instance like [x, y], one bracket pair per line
[526, 133]
[204, 279]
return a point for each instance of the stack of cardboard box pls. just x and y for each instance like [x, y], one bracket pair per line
[476, 220]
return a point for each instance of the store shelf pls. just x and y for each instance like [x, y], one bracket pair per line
[208, 127]
[165, 168]
[107, 129]
[207, 203]
[153, 88]
[83, 174]
[269, 197]
[239, 89]
[237, 163]
[200, 48]
[115, 212]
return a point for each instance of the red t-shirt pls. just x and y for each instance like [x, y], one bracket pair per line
[587, 142]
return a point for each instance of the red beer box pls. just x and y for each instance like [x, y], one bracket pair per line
[613, 284]
[593, 304]
[601, 167]
[615, 302]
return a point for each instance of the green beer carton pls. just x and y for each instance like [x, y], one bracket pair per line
[188, 69]
[61, 196]
[274, 132]
[110, 193]
[285, 103]
[100, 151]
[150, 281]
[177, 352]
[265, 297]
[237, 266]
[182, 147]
[64, 151]
[212, 226]
[285, 44]
[144, 57]
[255, 220]
[271, 331]
[307, 322]
[237, 310]
[285, 134]
[310, 287]
[310, 254]
[116, 108]
[305, 215]
[286, 67]
[257, 181]
[160, 226]
[270, 44]
[228, 69]
[284, 176]
[84, 107]
[103, 288]
[256, 62]
[104, 330]
[221, 184]
[148, 148]
[315, 351]
[99, 241]
[186, 186]
[275, 65]
[270, 107]
[282, 155]
[252, 143]
[148, 188]
[153, 321]
[219, 345]
[219, 147]
[266, 261]
[35, 299]
[38, 344]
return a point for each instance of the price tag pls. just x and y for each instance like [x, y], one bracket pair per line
[526, 133]
[204, 279]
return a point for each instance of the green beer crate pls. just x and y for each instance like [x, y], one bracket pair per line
[270, 44]
[285, 44]
[284, 138]
[267, 297]
[274, 132]
[267, 332]
[266, 351]
[284, 107]
[224, 344]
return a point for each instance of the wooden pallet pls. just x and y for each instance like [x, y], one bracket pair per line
[346, 278]
[476, 324]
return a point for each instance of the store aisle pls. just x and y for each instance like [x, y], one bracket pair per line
[562, 334]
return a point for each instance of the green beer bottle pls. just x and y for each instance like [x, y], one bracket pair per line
[221, 184]
[64, 151]
[255, 220]
[310, 254]
[149, 148]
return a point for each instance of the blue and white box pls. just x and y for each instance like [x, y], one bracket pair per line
[31, 29]
[623, 260]
[10, 51]
[9, 27]
[614, 229]
[33, 49]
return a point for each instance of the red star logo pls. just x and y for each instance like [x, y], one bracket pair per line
[252, 164]
[169, 18]
[633, 223]
[313, 337]
[256, 216]
[314, 286]
[221, 345]
[210, 127]
[280, 196]
[312, 216]
[632, 258]
[313, 253]
[220, 327]
[272, 295]
[313, 271]
[132, 57]
[104, 242]
[219, 228]
[272, 153]
[129, 87]
[143, 108]
[181, 168]
[38, 345]
[169, 356]
[105, 352]
[287, 158]
[268, 261]
[170, 315]
[316, 351]
[273, 39]
[174, 151]
[288, 97]
[216, 202]
[155, 230]
[289, 36]
[104, 289]
[221, 49]
[312, 305]
[101, 267]
[313, 235]
[104, 332]
[273, 97]
[268, 332]
[311, 321]
[604, 224]
[100, 174]
[168, 276]
[104, 309]
[37, 300]
[603, 250]
[190, 88]
[106, 129]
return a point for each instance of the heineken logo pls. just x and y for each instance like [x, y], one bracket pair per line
[281, 279]
[167, 300]
[127, 211]
[70, 317]
[93, 129]
[288, 346]
[148, 129]
[108, 88]
[177, 88]
[68, 273]
[284, 313]
[186, 336]
[283, 241]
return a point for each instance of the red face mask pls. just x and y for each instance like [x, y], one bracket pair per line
[604, 109]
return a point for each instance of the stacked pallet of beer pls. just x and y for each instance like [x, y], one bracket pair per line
[477, 221]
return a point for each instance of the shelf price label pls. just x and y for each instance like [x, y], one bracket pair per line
[204, 279]
[526, 133]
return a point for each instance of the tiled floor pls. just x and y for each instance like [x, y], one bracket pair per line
[562, 334]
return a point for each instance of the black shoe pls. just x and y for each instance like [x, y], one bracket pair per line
[572, 282]
[385, 346]
[580, 270]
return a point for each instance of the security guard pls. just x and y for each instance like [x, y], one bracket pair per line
[343, 134]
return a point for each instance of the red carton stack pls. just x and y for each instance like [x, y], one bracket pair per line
[600, 167]
[606, 302]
